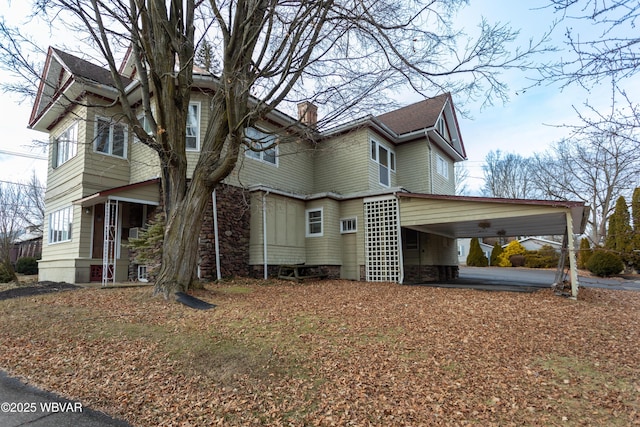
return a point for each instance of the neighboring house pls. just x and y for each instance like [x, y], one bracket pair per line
[367, 200]
[28, 244]
[535, 243]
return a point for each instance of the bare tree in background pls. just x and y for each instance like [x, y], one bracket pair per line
[594, 167]
[508, 176]
[33, 203]
[342, 56]
[461, 179]
[609, 52]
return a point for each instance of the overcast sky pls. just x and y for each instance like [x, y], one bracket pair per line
[526, 124]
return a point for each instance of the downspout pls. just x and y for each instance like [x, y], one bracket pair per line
[215, 234]
[264, 234]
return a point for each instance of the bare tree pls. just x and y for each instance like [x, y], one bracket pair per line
[343, 56]
[596, 168]
[609, 51]
[461, 179]
[509, 176]
[33, 203]
[11, 224]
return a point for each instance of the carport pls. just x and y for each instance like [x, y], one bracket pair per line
[467, 217]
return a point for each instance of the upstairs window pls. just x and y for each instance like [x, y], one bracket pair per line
[442, 166]
[111, 138]
[261, 146]
[386, 160]
[193, 127]
[65, 146]
[146, 126]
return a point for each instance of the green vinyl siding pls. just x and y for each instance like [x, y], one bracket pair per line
[342, 164]
[413, 166]
[285, 230]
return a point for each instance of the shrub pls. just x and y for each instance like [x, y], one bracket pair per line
[603, 263]
[584, 253]
[495, 254]
[5, 274]
[27, 265]
[545, 257]
[476, 257]
[513, 248]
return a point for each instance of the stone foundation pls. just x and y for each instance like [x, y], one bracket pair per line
[415, 274]
[233, 206]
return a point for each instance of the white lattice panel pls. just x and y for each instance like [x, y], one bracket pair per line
[383, 256]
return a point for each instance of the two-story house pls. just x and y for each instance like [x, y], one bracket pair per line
[367, 200]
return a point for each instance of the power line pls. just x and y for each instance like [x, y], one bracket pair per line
[28, 155]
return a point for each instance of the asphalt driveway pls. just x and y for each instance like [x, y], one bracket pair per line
[529, 280]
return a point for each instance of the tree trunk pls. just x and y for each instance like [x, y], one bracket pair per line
[180, 249]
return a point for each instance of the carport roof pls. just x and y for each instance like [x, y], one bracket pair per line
[466, 216]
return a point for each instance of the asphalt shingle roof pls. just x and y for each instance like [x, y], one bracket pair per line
[416, 116]
[81, 68]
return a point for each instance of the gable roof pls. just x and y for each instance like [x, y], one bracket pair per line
[78, 67]
[420, 115]
[65, 79]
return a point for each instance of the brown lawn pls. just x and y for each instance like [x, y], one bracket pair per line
[333, 353]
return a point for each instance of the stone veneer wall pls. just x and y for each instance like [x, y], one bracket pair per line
[233, 205]
[414, 274]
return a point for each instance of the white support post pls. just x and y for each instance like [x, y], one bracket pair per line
[109, 252]
[573, 264]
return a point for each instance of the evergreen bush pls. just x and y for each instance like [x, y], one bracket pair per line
[513, 248]
[584, 253]
[5, 275]
[545, 257]
[604, 263]
[476, 257]
[495, 254]
[27, 265]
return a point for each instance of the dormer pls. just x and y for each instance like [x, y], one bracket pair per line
[433, 118]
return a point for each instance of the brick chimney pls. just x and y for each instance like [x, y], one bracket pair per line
[308, 113]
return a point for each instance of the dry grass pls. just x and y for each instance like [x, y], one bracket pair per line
[334, 353]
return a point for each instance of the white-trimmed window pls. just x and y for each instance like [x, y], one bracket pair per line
[60, 223]
[261, 146]
[146, 126]
[66, 145]
[386, 160]
[110, 138]
[314, 222]
[193, 127]
[442, 166]
[348, 225]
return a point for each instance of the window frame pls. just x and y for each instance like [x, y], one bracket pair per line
[112, 126]
[376, 152]
[58, 234]
[442, 166]
[347, 230]
[260, 155]
[308, 223]
[196, 104]
[146, 126]
[70, 145]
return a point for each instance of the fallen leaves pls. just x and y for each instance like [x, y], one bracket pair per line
[334, 353]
